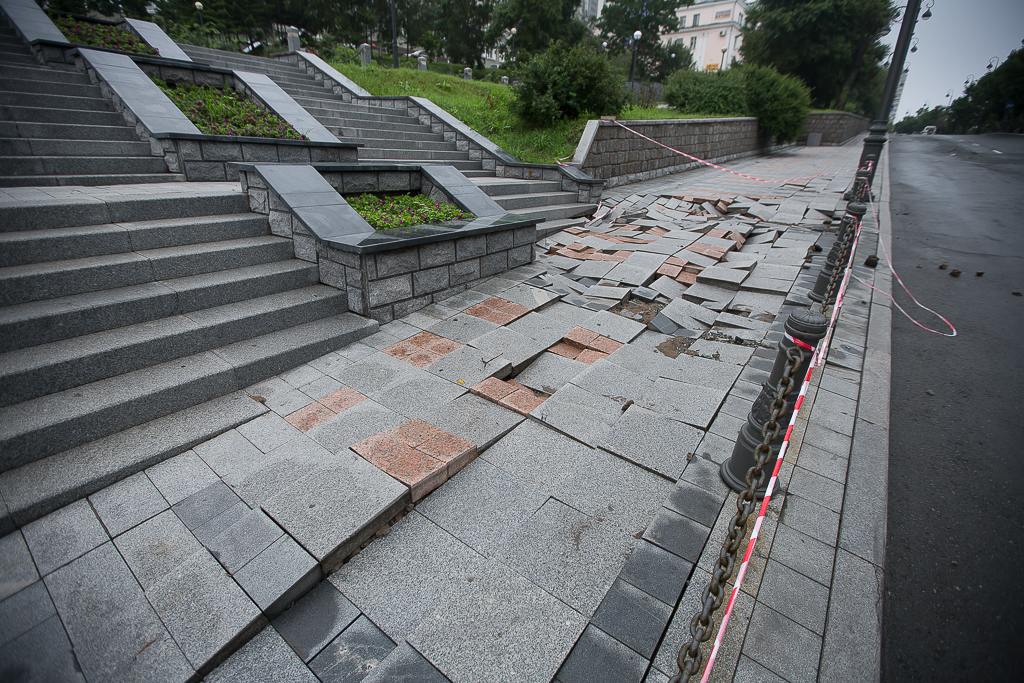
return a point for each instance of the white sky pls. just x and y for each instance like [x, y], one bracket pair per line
[958, 40]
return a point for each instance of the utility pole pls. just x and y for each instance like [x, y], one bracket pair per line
[394, 37]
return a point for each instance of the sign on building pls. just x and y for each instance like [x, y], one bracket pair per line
[723, 14]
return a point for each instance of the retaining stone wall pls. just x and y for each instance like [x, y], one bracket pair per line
[835, 127]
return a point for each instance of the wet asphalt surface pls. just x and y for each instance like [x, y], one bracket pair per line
[954, 593]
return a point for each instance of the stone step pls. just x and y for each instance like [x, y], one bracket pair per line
[550, 227]
[63, 420]
[495, 187]
[59, 244]
[515, 202]
[389, 133]
[477, 173]
[59, 102]
[354, 110]
[21, 146]
[17, 59]
[82, 165]
[15, 49]
[40, 87]
[20, 284]
[42, 486]
[90, 180]
[30, 113]
[39, 74]
[39, 370]
[49, 320]
[142, 203]
[557, 212]
[336, 117]
[67, 131]
[401, 153]
[391, 143]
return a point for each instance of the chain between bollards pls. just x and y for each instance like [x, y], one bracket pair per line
[690, 657]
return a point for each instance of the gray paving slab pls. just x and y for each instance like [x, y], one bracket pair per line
[533, 298]
[467, 366]
[377, 373]
[330, 363]
[405, 665]
[422, 562]
[734, 354]
[668, 287]
[599, 657]
[517, 349]
[352, 655]
[336, 434]
[853, 635]
[684, 402]
[816, 488]
[358, 350]
[319, 388]
[474, 419]
[609, 380]
[42, 653]
[622, 330]
[864, 514]
[17, 570]
[550, 372]
[749, 671]
[656, 572]
[593, 268]
[265, 657]
[826, 439]
[62, 536]
[652, 441]
[678, 632]
[462, 328]
[677, 534]
[204, 505]
[633, 617]
[415, 396]
[203, 609]
[379, 340]
[643, 362]
[249, 534]
[179, 477]
[499, 626]
[156, 547]
[638, 269]
[301, 375]
[542, 327]
[23, 611]
[268, 431]
[682, 312]
[279, 575]
[127, 503]
[834, 412]
[702, 372]
[315, 620]
[782, 646]
[810, 518]
[697, 503]
[609, 291]
[116, 634]
[463, 300]
[482, 505]
[758, 301]
[286, 404]
[580, 414]
[701, 293]
[721, 276]
[335, 508]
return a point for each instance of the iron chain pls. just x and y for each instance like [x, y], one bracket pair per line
[861, 189]
[690, 657]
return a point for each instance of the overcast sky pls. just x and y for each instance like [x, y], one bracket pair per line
[958, 40]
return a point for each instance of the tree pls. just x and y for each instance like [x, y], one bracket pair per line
[832, 45]
[538, 23]
[460, 26]
[564, 82]
[653, 18]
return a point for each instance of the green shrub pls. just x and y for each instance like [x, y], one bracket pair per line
[405, 210]
[226, 112]
[565, 82]
[780, 103]
[101, 35]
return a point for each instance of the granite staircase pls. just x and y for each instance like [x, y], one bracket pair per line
[57, 129]
[394, 137]
[131, 320]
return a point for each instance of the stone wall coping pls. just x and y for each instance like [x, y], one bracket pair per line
[332, 73]
[331, 221]
[282, 104]
[154, 36]
[32, 23]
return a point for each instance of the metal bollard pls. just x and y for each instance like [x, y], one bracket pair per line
[809, 327]
[467, 74]
[504, 80]
[365, 56]
[873, 145]
[421, 63]
[293, 39]
[854, 213]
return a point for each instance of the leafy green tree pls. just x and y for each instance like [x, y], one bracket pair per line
[832, 45]
[537, 22]
[565, 82]
[461, 26]
[653, 18]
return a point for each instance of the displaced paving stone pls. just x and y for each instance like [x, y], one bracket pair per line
[493, 389]
[682, 312]
[205, 505]
[632, 617]
[657, 572]
[497, 310]
[154, 548]
[461, 327]
[638, 269]
[179, 477]
[567, 349]
[352, 655]
[62, 536]
[617, 294]
[517, 349]
[42, 653]
[550, 372]
[279, 575]
[580, 414]
[315, 620]
[524, 401]
[653, 441]
[269, 431]
[598, 656]
[679, 535]
[336, 435]
[733, 354]
[413, 395]
[475, 419]
[533, 298]
[728, 278]
[613, 326]
[467, 366]
[247, 536]
[266, 654]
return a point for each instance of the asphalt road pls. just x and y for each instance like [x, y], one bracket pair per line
[954, 570]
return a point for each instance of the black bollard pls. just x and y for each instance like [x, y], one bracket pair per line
[854, 213]
[808, 327]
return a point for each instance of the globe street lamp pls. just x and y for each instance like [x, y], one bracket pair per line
[199, 6]
[512, 31]
[636, 47]
[724, 50]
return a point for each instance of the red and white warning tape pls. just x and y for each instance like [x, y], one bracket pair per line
[723, 168]
[817, 359]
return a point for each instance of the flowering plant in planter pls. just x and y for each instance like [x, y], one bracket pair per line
[101, 35]
[402, 211]
[222, 111]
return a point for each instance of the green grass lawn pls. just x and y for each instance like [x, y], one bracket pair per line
[485, 107]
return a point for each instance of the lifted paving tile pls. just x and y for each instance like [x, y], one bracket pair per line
[653, 441]
[266, 656]
[352, 655]
[314, 621]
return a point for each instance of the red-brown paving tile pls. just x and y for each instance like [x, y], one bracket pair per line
[306, 418]
[622, 255]
[574, 231]
[378, 444]
[658, 231]
[567, 349]
[693, 268]
[422, 358]
[423, 339]
[605, 344]
[717, 233]
[415, 432]
[568, 253]
[402, 350]
[513, 310]
[446, 447]
[581, 336]
[576, 246]
[668, 269]
[591, 356]
[523, 401]
[685, 278]
[417, 470]
[443, 347]
[676, 261]
[341, 400]
[492, 389]
[485, 312]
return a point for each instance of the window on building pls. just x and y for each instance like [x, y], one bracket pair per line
[682, 22]
[693, 43]
[696, 20]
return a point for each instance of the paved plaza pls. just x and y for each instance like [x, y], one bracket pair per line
[519, 483]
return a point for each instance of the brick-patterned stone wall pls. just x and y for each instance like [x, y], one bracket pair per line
[835, 127]
[618, 157]
[207, 160]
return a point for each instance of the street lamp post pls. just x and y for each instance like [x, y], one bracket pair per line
[875, 141]
[724, 50]
[394, 37]
[512, 32]
[636, 47]
[199, 7]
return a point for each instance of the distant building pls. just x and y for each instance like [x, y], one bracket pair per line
[712, 29]
[592, 8]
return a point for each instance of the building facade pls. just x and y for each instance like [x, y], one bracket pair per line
[712, 29]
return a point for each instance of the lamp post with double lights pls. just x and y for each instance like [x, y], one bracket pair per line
[636, 47]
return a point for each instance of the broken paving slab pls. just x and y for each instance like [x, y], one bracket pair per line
[467, 366]
[617, 294]
[474, 419]
[550, 372]
[582, 415]
[668, 287]
[593, 268]
[719, 276]
[511, 346]
[716, 298]
[638, 269]
[687, 310]
[653, 441]
[533, 298]
[622, 330]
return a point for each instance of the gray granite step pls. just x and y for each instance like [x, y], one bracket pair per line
[25, 146]
[40, 74]
[66, 131]
[88, 103]
[30, 112]
[90, 180]
[402, 153]
[516, 202]
[558, 211]
[43, 87]
[82, 165]
[495, 187]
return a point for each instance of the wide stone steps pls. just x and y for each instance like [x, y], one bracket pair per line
[391, 143]
[403, 154]
[41, 87]
[40, 74]
[516, 202]
[67, 131]
[27, 112]
[32, 372]
[43, 147]
[327, 116]
[91, 179]
[82, 165]
[49, 320]
[48, 101]
[558, 211]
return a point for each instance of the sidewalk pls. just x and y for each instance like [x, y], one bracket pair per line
[519, 484]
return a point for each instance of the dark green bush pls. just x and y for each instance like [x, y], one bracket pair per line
[779, 102]
[564, 82]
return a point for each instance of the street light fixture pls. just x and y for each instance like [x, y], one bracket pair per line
[512, 32]
[928, 10]
[636, 47]
[970, 79]
[949, 99]
[724, 50]
[992, 63]
[913, 46]
[199, 6]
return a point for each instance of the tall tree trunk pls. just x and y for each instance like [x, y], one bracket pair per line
[858, 61]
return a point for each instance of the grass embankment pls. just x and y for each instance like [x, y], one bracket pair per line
[485, 107]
